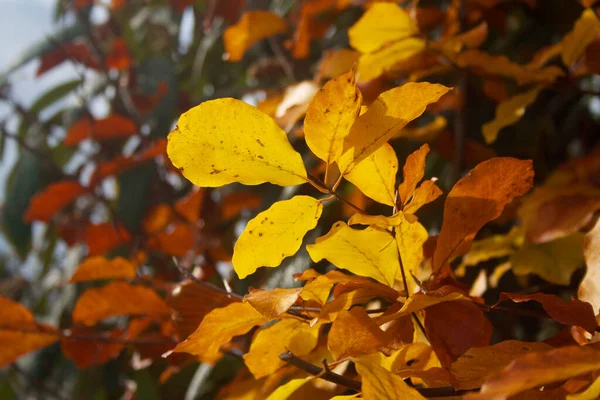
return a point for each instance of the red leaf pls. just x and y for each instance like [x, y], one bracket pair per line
[56, 196]
[104, 237]
[110, 128]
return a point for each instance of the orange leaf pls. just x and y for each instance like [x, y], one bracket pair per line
[19, 333]
[117, 298]
[233, 203]
[104, 237]
[190, 303]
[250, 29]
[572, 312]
[99, 267]
[471, 368]
[479, 197]
[118, 57]
[218, 328]
[413, 171]
[109, 128]
[538, 369]
[354, 333]
[157, 219]
[56, 196]
[589, 288]
[272, 303]
[190, 205]
[176, 240]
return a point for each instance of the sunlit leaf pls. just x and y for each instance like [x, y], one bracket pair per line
[330, 116]
[589, 288]
[98, 267]
[286, 390]
[218, 328]
[427, 192]
[250, 29]
[380, 384]
[591, 393]
[370, 252]
[476, 199]
[275, 234]
[117, 298]
[412, 172]
[373, 65]
[272, 303]
[585, 30]
[410, 238]
[226, 140]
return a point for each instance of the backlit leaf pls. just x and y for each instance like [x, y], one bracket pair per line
[226, 140]
[589, 288]
[538, 369]
[289, 334]
[368, 252]
[250, 29]
[275, 234]
[218, 328]
[98, 267]
[330, 116]
[585, 30]
[380, 384]
[381, 23]
[390, 112]
[117, 298]
[427, 192]
[286, 390]
[509, 112]
[554, 261]
[373, 65]
[476, 199]
[375, 176]
[410, 238]
[55, 197]
[354, 333]
[413, 172]
[591, 393]
[272, 303]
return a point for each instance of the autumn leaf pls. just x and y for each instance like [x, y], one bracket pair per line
[591, 393]
[410, 238]
[509, 112]
[226, 140]
[373, 65]
[104, 237]
[589, 289]
[250, 29]
[413, 172]
[391, 111]
[218, 328]
[287, 389]
[98, 267]
[330, 116]
[117, 298]
[368, 252]
[275, 234]
[426, 193]
[19, 333]
[574, 43]
[379, 383]
[289, 334]
[55, 197]
[538, 369]
[112, 127]
[476, 199]
[272, 303]
[375, 176]
[381, 23]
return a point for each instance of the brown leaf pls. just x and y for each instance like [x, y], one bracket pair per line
[104, 237]
[55, 197]
[538, 369]
[112, 127]
[354, 333]
[76, 52]
[476, 199]
[94, 268]
[572, 312]
[471, 369]
[117, 298]
[272, 303]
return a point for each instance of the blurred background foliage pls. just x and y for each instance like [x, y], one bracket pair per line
[140, 64]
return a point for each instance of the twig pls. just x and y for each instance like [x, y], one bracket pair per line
[206, 285]
[283, 61]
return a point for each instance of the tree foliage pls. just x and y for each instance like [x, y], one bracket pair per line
[322, 198]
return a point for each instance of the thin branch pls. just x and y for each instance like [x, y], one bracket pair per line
[187, 273]
[283, 61]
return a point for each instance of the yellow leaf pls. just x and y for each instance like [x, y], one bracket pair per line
[380, 221]
[495, 246]
[317, 290]
[389, 113]
[554, 261]
[368, 252]
[509, 112]
[424, 194]
[413, 172]
[591, 393]
[354, 333]
[380, 384]
[226, 140]
[362, 294]
[117, 298]
[218, 328]
[584, 32]
[272, 303]
[286, 390]
[410, 237]
[275, 234]
[336, 62]
[251, 28]
[380, 24]
[375, 176]
[373, 65]
[479, 197]
[418, 302]
[289, 334]
[330, 116]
